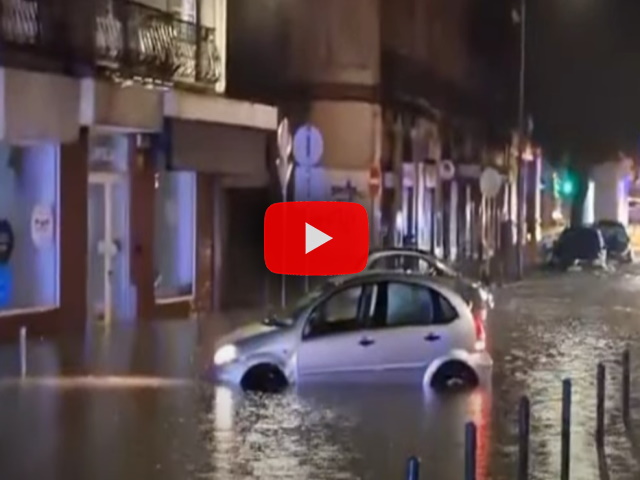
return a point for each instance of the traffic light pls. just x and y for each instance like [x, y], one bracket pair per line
[565, 185]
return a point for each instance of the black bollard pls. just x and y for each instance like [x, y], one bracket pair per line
[565, 446]
[600, 395]
[626, 388]
[470, 451]
[524, 421]
[413, 468]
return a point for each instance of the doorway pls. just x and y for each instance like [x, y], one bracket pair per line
[109, 288]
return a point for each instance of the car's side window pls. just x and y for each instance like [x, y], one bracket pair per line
[444, 311]
[407, 304]
[342, 312]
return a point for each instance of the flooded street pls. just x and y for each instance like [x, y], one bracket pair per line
[153, 417]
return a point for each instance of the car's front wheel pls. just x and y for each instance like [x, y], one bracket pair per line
[264, 378]
[454, 376]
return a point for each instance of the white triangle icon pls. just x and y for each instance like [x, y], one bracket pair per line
[314, 238]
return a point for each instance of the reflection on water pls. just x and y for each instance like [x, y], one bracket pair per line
[159, 423]
[356, 432]
[95, 382]
[215, 433]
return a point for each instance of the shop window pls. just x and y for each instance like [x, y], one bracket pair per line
[175, 221]
[28, 227]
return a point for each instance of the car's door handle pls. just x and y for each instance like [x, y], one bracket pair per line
[365, 342]
[432, 337]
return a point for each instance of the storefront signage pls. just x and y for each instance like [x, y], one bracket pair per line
[5, 286]
[42, 225]
[7, 240]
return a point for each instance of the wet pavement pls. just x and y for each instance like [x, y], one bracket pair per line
[132, 406]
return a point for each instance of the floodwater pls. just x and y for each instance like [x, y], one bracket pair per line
[131, 404]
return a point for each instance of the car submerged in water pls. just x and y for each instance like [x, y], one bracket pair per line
[382, 326]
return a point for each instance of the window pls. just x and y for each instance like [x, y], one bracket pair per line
[175, 220]
[444, 312]
[28, 227]
[339, 313]
[408, 304]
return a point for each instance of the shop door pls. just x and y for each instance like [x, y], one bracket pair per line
[108, 296]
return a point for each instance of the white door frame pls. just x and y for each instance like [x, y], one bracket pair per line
[107, 180]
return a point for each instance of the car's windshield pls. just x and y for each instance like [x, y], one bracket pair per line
[288, 316]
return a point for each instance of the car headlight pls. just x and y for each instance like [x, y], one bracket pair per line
[225, 354]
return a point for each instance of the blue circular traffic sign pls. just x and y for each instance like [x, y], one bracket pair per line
[308, 145]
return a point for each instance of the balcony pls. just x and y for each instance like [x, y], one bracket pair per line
[140, 43]
[27, 28]
[122, 39]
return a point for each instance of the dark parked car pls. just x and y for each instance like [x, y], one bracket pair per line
[616, 240]
[582, 245]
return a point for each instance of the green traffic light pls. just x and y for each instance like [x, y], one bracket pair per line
[567, 188]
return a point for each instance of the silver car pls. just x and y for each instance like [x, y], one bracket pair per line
[378, 326]
[478, 296]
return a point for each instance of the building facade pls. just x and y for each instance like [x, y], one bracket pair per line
[403, 87]
[120, 158]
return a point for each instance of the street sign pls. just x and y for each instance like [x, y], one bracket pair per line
[285, 143]
[447, 170]
[375, 180]
[308, 145]
[490, 182]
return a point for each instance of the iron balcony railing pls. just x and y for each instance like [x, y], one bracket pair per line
[21, 23]
[139, 42]
[123, 38]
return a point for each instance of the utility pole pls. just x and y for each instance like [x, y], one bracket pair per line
[522, 181]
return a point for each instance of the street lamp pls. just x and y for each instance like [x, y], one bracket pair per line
[521, 18]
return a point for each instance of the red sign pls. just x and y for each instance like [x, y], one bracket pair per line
[316, 238]
[375, 180]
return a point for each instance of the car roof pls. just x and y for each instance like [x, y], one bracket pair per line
[400, 250]
[609, 223]
[582, 228]
[392, 275]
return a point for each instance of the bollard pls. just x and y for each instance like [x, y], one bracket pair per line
[524, 420]
[626, 388]
[565, 446]
[413, 468]
[470, 451]
[23, 352]
[600, 395]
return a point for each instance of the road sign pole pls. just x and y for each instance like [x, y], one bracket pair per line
[308, 147]
[308, 197]
[283, 288]
[285, 168]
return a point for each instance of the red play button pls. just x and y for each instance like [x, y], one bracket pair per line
[316, 238]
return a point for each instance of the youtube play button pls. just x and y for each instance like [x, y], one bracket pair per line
[316, 238]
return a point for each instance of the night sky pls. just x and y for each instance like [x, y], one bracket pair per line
[583, 82]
